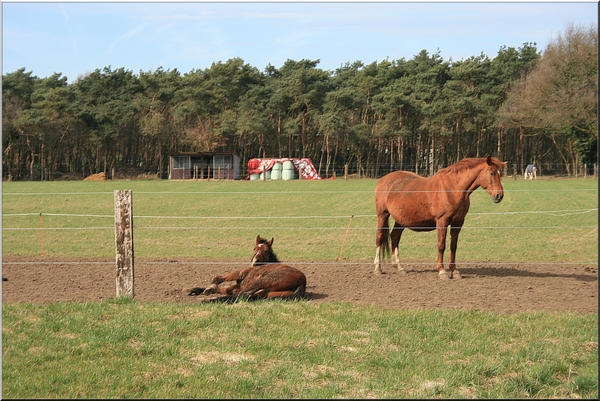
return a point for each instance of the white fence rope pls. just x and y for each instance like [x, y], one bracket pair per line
[554, 213]
[283, 228]
[561, 213]
[273, 192]
[337, 263]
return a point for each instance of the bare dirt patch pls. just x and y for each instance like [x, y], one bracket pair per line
[505, 289]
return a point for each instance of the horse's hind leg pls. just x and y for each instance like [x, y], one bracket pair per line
[395, 236]
[266, 294]
[287, 294]
[381, 239]
[377, 261]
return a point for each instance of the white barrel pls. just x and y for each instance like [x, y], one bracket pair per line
[254, 177]
[276, 173]
[289, 172]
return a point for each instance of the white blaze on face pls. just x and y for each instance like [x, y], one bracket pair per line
[260, 249]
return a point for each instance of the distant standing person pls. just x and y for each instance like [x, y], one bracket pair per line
[531, 172]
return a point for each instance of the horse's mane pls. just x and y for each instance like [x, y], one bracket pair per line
[468, 164]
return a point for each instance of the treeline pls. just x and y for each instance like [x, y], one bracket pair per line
[419, 114]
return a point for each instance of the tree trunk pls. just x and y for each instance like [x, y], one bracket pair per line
[432, 154]
[418, 156]
[328, 159]
[279, 134]
[499, 143]
[521, 146]
[561, 155]
[458, 139]
[401, 152]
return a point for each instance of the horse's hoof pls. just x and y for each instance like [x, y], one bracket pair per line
[443, 275]
[401, 271]
[456, 275]
[195, 291]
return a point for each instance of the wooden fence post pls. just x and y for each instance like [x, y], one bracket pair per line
[345, 172]
[124, 242]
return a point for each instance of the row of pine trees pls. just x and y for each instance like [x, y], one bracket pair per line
[420, 114]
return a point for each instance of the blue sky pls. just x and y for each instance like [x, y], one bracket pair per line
[78, 38]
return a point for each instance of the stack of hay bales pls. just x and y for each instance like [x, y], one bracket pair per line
[96, 177]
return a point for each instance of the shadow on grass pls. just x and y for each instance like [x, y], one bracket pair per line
[513, 272]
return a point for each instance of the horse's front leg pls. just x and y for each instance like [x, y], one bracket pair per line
[441, 233]
[454, 231]
[214, 287]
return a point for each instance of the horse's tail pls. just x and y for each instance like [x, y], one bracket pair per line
[383, 233]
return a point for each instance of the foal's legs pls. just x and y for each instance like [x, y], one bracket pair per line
[256, 292]
[286, 294]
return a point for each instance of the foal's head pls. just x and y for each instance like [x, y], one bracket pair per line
[263, 252]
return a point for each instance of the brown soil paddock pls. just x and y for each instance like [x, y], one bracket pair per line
[500, 288]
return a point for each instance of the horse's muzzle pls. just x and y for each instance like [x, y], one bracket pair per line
[498, 198]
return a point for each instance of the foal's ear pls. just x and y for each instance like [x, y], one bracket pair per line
[257, 239]
[271, 242]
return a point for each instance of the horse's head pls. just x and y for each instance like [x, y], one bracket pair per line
[263, 252]
[490, 178]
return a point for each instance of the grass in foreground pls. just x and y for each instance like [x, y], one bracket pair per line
[122, 348]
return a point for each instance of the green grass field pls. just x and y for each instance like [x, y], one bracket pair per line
[126, 349]
[553, 221]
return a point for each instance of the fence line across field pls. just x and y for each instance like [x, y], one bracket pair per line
[303, 263]
[563, 212]
[261, 192]
[284, 228]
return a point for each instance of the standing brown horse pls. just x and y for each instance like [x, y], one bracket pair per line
[425, 204]
[267, 278]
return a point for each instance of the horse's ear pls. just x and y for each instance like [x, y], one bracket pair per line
[258, 239]
[488, 159]
[271, 242]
